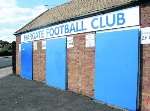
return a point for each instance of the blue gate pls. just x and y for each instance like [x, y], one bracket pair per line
[117, 68]
[26, 60]
[56, 62]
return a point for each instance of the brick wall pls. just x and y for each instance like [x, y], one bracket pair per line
[80, 62]
[39, 62]
[145, 60]
[18, 41]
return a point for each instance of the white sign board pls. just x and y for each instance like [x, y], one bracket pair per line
[35, 45]
[90, 40]
[70, 42]
[43, 44]
[122, 18]
[145, 35]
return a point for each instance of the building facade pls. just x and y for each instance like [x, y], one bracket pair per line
[94, 48]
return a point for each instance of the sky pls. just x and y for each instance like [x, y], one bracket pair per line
[14, 14]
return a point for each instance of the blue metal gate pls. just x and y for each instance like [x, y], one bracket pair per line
[56, 62]
[117, 68]
[26, 60]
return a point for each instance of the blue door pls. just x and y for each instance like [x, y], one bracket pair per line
[117, 68]
[26, 60]
[56, 62]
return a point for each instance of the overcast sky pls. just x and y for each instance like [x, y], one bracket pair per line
[16, 13]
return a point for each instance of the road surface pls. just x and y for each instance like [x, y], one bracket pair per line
[18, 94]
[5, 61]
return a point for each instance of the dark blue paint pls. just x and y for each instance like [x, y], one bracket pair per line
[26, 60]
[120, 19]
[56, 62]
[93, 25]
[56, 30]
[117, 68]
[66, 28]
[101, 23]
[108, 20]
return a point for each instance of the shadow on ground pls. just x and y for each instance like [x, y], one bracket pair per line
[17, 94]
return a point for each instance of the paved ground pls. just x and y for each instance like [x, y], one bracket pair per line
[5, 61]
[17, 94]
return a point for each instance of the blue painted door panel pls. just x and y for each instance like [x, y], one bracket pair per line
[26, 60]
[56, 62]
[117, 68]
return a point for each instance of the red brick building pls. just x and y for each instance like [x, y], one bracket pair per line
[95, 48]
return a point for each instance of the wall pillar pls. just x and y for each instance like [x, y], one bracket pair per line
[81, 63]
[145, 60]
[18, 41]
[38, 61]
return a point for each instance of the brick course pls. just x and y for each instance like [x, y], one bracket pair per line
[145, 60]
[80, 62]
